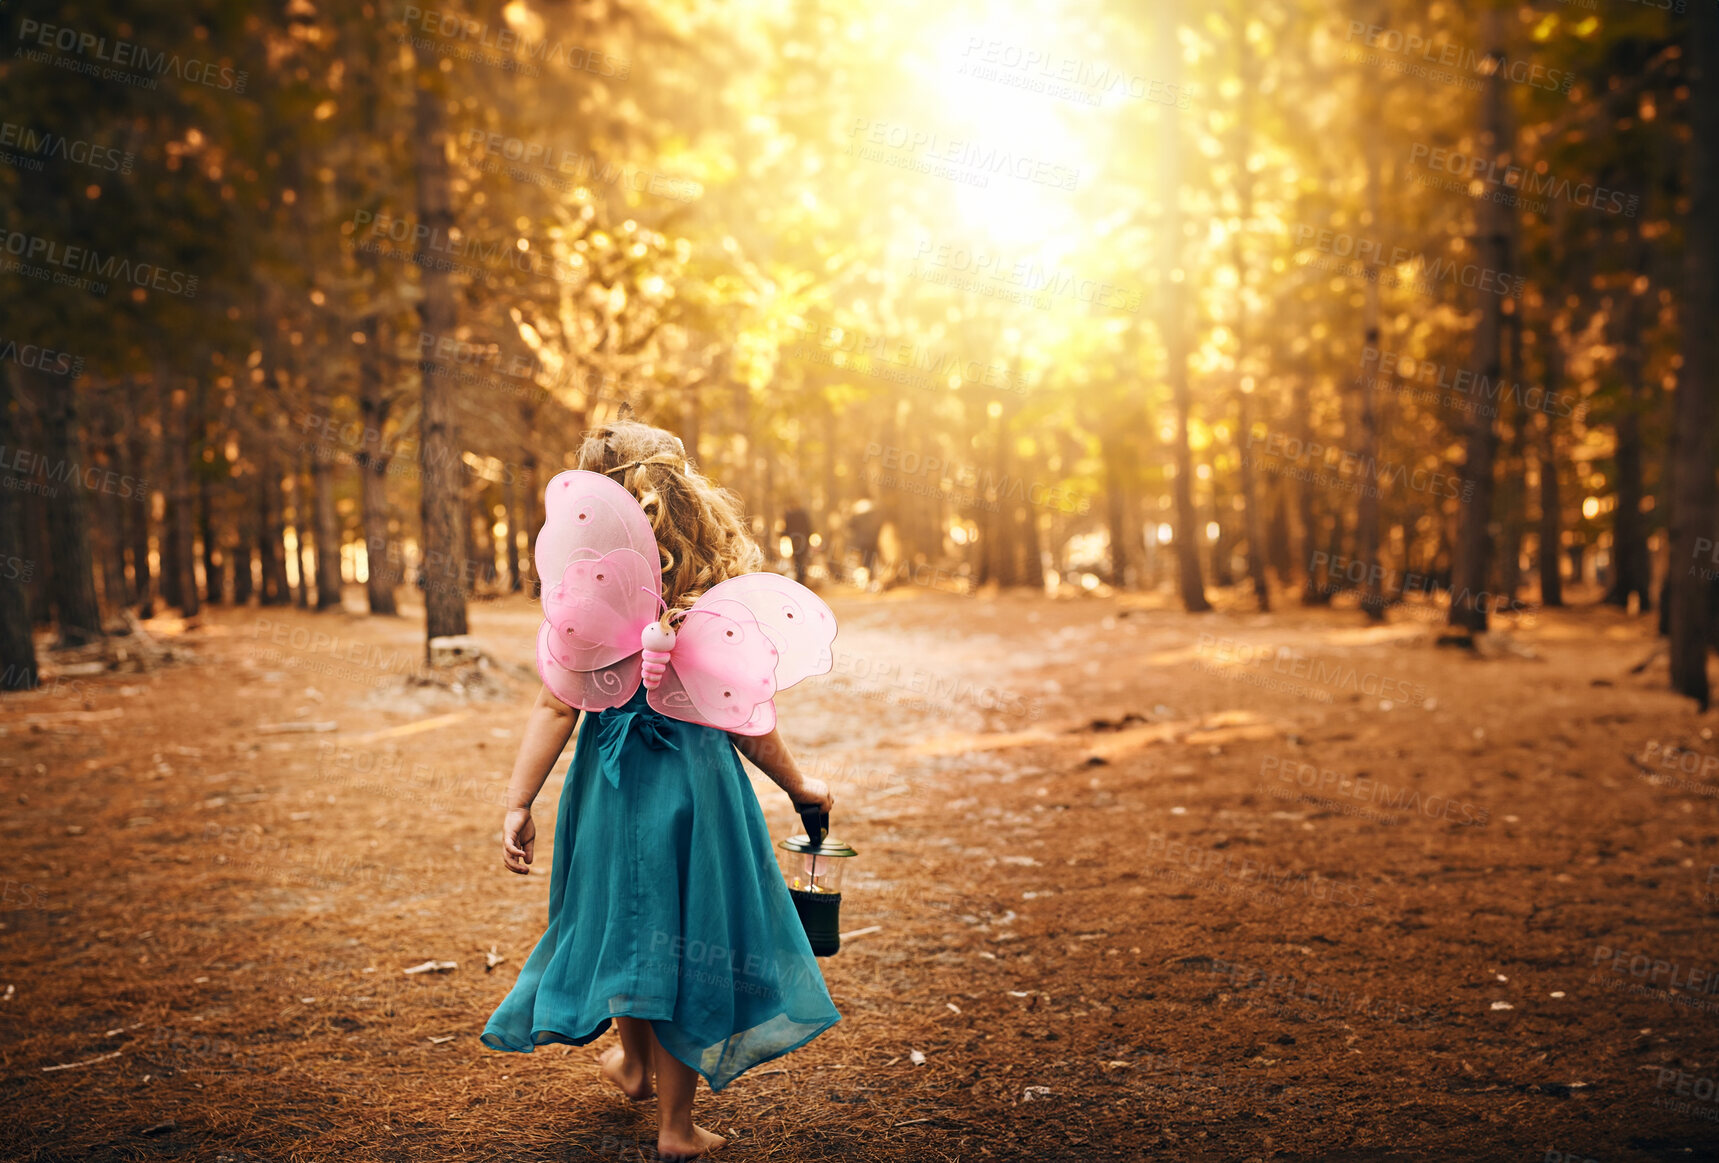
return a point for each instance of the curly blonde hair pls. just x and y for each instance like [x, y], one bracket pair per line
[699, 526]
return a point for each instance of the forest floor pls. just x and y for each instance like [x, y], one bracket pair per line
[1134, 883]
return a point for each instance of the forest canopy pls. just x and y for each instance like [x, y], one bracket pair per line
[1401, 306]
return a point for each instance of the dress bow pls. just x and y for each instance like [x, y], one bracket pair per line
[614, 728]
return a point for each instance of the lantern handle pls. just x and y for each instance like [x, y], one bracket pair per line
[816, 821]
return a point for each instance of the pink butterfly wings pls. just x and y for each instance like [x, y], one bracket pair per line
[744, 640]
[597, 559]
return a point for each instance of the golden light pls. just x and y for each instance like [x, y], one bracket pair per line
[1008, 155]
[1212, 530]
[1165, 533]
[1591, 507]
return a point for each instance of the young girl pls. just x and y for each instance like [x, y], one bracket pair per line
[667, 915]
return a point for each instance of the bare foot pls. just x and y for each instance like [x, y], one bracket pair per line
[626, 1074]
[671, 1147]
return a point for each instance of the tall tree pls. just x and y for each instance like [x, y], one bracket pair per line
[1253, 529]
[1367, 503]
[1492, 249]
[439, 454]
[73, 579]
[1692, 491]
[17, 645]
[1172, 308]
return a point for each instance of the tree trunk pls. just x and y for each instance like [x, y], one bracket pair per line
[439, 445]
[172, 452]
[271, 520]
[301, 535]
[214, 589]
[181, 566]
[1171, 304]
[374, 405]
[1001, 555]
[1277, 544]
[1513, 508]
[213, 557]
[531, 514]
[17, 565]
[1252, 526]
[510, 547]
[1223, 546]
[1367, 504]
[1493, 225]
[480, 526]
[1632, 572]
[328, 535]
[1316, 588]
[1550, 559]
[1116, 509]
[138, 517]
[110, 522]
[1692, 491]
[38, 550]
[244, 538]
[73, 590]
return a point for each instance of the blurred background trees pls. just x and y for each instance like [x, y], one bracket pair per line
[1383, 305]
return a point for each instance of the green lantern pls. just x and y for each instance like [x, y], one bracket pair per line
[812, 863]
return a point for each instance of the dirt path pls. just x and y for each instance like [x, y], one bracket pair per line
[1144, 885]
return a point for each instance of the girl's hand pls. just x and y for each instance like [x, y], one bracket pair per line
[518, 841]
[813, 791]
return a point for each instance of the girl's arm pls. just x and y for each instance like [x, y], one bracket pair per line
[547, 730]
[770, 755]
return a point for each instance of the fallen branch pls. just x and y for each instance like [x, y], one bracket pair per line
[432, 967]
[296, 728]
[85, 1062]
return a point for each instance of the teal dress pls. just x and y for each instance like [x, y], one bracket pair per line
[665, 903]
